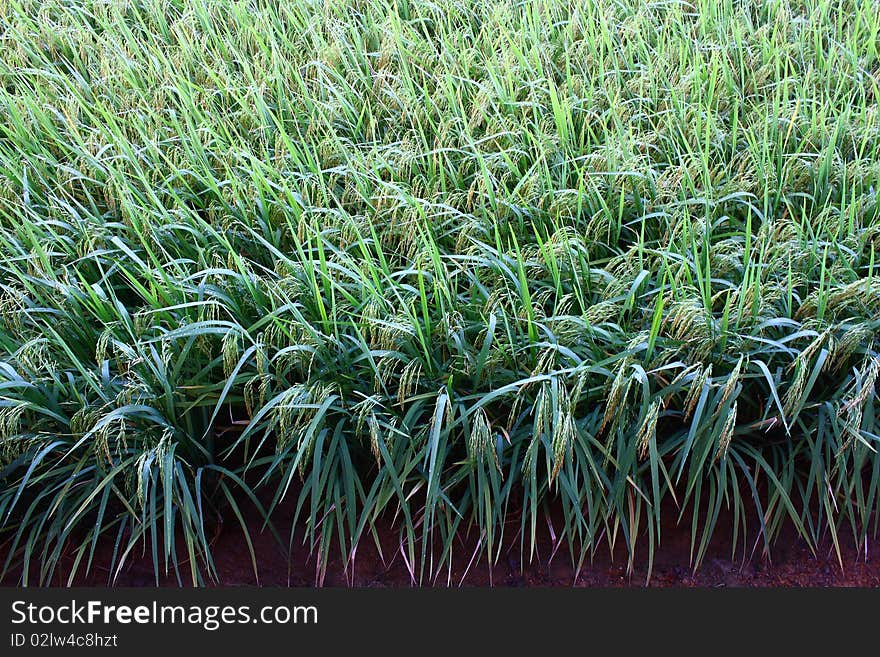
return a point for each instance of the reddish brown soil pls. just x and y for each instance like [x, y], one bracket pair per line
[791, 564]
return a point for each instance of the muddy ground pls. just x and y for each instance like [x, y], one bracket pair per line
[790, 563]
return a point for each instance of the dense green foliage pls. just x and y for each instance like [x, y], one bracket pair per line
[442, 263]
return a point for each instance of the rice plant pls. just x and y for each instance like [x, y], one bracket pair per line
[442, 263]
